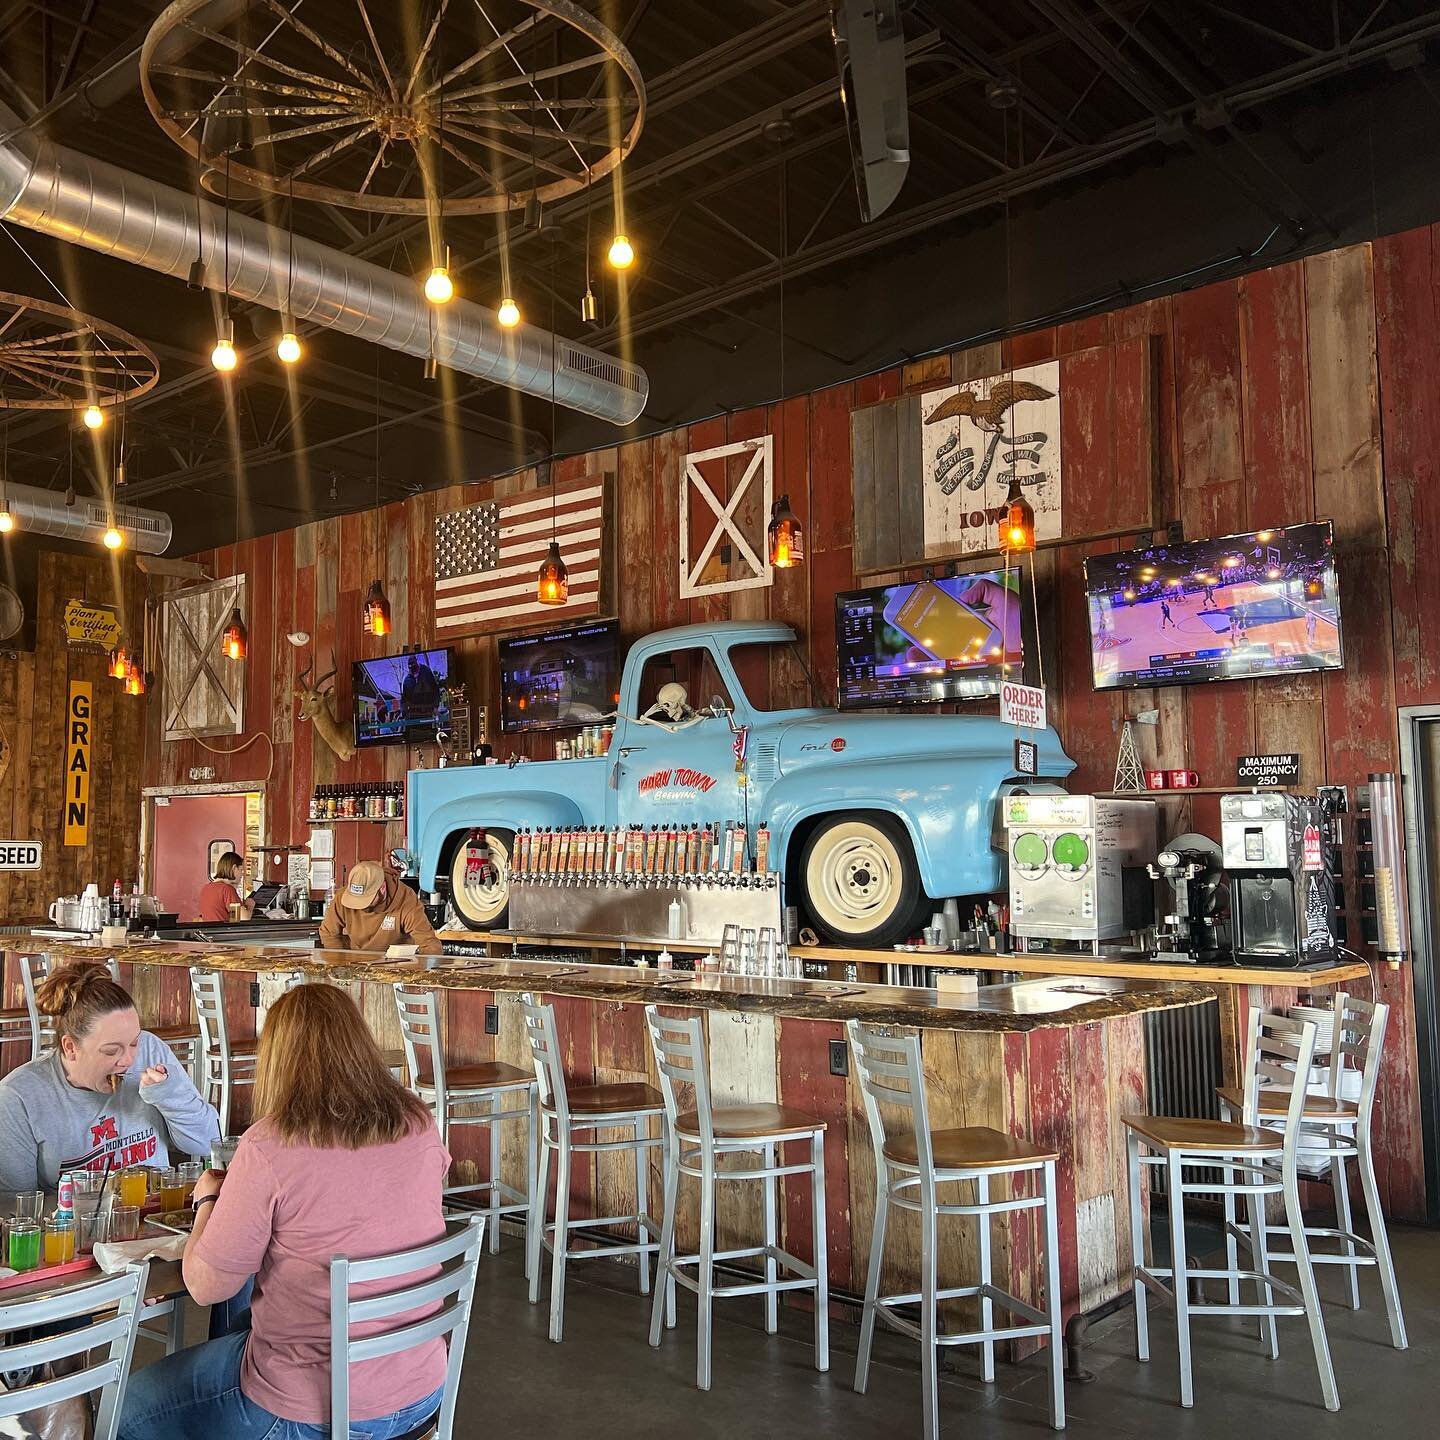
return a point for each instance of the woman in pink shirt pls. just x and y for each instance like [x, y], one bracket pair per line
[343, 1161]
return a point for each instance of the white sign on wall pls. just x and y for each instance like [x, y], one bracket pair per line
[974, 438]
[1022, 705]
[19, 854]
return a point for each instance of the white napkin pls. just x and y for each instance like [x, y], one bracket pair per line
[112, 1257]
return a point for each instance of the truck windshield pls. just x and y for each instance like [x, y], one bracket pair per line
[774, 677]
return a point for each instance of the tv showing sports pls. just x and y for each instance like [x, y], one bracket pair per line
[400, 699]
[1237, 608]
[941, 639]
[560, 679]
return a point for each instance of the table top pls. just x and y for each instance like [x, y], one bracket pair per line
[164, 1282]
[1028, 1005]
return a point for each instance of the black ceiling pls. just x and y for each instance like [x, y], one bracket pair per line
[1156, 144]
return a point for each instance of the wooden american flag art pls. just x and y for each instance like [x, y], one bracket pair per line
[486, 556]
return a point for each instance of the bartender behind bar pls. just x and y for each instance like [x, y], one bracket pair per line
[375, 911]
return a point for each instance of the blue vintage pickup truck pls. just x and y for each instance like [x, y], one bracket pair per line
[872, 817]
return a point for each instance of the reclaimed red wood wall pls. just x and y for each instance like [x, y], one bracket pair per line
[1309, 390]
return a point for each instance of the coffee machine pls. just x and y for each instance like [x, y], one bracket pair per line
[1193, 926]
[1276, 850]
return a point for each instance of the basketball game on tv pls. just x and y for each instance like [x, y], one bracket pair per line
[400, 699]
[1236, 608]
[943, 639]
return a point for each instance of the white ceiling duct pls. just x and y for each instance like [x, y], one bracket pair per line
[74, 197]
[44, 512]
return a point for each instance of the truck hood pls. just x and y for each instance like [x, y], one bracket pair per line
[839, 738]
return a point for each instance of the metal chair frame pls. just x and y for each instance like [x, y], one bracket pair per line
[1358, 1044]
[889, 1070]
[420, 1033]
[558, 1129]
[114, 1306]
[221, 1070]
[35, 967]
[1278, 1052]
[681, 1059]
[458, 1257]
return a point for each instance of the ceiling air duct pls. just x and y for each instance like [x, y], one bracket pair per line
[44, 512]
[74, 197]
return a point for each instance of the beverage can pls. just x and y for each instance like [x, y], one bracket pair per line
[65, 1204]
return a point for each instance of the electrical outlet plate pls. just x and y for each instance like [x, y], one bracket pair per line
[492, 1019]
[839, 1058]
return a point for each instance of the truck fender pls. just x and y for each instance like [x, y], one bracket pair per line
[511, 811]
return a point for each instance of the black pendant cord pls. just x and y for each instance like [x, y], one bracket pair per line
[554, 341]
[784, 246]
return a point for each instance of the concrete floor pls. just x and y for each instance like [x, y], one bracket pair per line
[604, 1381]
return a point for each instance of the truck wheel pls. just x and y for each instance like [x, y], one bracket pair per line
[861, 882]
[482, 906]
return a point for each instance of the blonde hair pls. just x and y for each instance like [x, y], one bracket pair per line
[229, 866]
[76, 996]
[320, 1079]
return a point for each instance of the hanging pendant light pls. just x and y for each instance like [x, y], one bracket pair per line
[223, 356]
[552, 583]
[289, 349]
[7, 519]
[785, 536]
[113, 538]
[135, 679]
[622, 253]
[508, 314]
[119, 663]
[439, 287]
[1017, 527]
[376, 615]
[236, 640]
[94, 417]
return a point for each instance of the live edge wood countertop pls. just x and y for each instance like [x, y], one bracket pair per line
[1029, 1005]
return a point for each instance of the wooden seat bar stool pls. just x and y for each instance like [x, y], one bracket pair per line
[568, 1112]
[488, 1093]
[1341, 1128]
[698, 1140]
[1254, 1162]
[224, 1063]
[912, 1163]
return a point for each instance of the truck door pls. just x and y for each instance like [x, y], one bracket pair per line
[669, 769]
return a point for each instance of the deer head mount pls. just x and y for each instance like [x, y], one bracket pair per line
[315, 707]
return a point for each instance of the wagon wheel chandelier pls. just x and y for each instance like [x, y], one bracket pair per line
[363, 105]
[56, 358]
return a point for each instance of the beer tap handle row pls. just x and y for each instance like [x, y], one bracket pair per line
[706, 855]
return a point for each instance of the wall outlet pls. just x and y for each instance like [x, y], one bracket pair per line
[492, 1019]
[839, 1058]
[254, 994]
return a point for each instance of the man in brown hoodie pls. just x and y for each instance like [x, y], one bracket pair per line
[375, 911]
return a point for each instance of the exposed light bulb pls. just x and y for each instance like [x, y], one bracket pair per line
[439, 287]
[289, 349]
[7, 522]
[113, 539]
[508, 314]
[94, 417]
[622, 252]
[223, 356]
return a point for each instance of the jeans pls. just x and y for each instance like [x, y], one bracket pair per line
[195, 1395]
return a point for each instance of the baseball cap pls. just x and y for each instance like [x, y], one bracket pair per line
[363, 885]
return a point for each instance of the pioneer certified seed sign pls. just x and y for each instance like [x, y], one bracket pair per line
[19, 854]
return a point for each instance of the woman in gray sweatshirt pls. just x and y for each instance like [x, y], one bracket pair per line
[108, 1094]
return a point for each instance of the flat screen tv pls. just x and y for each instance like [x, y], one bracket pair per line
[942, 639]
[560, 679]
[400, 699]
[1237, 608]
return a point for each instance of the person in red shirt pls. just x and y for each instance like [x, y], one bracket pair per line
[220, 894]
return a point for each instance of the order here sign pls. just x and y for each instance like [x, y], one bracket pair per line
[1022, 705]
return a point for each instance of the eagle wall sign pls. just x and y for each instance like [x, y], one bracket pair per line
[978, 436]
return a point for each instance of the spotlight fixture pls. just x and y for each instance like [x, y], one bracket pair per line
[119, 663]
[94, 417]
[439, 287]
[508, 314]
[785, 536]
[376, 615]
[588, 310]
[289, 349]
[223, 356]
[1017, 528]
[622, 253]
[113, 539]
[236, 639]
[552, 583]
[432, 368]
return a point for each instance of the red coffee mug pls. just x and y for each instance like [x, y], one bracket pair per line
[1157, 779]
[1184, 779]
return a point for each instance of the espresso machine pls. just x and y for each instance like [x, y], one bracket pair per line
[1276, 850]
[1193, 926]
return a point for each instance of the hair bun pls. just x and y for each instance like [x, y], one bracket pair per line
[71, 986]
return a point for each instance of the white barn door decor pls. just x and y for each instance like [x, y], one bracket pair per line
[204, 693]
[724, 509]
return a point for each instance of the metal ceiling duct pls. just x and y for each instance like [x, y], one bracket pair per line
[44, 512]
[74, 197]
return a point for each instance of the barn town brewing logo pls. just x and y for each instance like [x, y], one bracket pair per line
[678, 779]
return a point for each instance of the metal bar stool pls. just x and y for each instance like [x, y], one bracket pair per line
[225, 1063]
[448, 1091]
[697, 1140]
[911, 1162]
[567, 1111]
[18, 1023]
[1341, 1128]
[1278, 1051]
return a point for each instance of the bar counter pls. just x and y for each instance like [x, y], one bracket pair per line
[1057, 1060]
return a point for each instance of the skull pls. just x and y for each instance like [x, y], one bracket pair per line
[674, 700]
